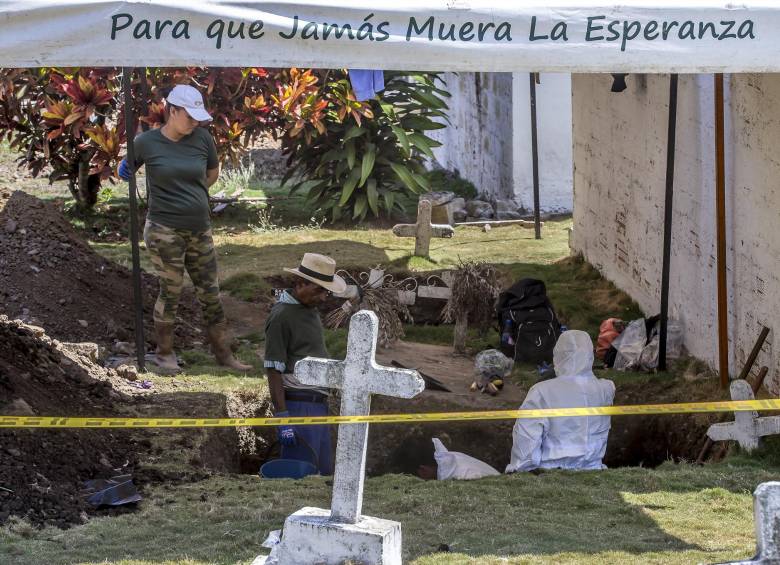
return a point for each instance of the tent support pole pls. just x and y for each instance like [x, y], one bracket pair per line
[668, 203]
[535, 158]
[144, 98]
[140, 342]
[720, 213]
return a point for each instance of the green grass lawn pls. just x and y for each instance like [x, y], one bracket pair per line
[673, 514]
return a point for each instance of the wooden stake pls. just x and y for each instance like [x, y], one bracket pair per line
[461, 332]
[720, 213]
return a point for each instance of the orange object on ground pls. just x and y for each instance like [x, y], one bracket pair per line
[608, 331]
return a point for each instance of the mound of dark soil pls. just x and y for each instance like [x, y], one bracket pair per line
[49, 276]
[42, 471]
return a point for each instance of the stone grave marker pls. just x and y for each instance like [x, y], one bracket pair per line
[423, 230]
[747, 428]
[766, 513]
[314, 535]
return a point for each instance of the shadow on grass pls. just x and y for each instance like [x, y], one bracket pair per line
[273, 258]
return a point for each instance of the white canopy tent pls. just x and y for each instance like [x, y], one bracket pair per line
[692, 36]
[577, 36]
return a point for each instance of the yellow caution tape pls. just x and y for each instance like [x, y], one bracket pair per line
[636, 410]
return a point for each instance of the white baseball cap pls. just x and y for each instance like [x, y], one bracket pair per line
[189, 98]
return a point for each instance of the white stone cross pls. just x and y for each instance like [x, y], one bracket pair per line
[747, 428]
[423, 230]
[766, 513]
[358, 377]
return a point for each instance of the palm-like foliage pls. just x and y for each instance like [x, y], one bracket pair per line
[370, 152]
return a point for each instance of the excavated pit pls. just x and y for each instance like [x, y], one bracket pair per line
[646, 441]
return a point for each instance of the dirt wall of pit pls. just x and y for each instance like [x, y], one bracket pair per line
[634, 440]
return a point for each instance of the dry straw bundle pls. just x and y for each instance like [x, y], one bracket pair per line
[475, 289]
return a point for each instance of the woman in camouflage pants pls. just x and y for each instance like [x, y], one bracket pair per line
[181, 163]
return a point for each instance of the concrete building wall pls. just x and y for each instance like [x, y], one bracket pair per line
[477, 143]
[488, 140]
[553, 117]
[619, 179]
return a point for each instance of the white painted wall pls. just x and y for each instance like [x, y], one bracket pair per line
[488, 140]
[620, 162]
[477, 143]
[553, 116]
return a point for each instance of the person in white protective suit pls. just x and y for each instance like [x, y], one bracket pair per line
[577, 442]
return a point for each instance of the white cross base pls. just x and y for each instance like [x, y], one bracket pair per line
[423, 230]
[313, 535]
[747, 428]
[766, 513]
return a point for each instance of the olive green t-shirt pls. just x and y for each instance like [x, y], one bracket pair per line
[176, 177]
[292, 332]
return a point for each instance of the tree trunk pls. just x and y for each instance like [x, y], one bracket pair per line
[89, 185]
[460, 333]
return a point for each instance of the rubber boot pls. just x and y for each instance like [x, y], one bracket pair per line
[164, 357]
[220, 347]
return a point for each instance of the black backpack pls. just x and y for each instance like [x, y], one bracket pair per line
[528, 325]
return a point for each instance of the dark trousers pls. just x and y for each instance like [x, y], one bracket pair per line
[313, 441]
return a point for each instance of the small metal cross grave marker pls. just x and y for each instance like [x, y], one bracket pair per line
[423, 230]
[747, 428]
[358, 377]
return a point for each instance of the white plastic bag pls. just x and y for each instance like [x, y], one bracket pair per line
[459, 466]
[274, 538]
[635, 351]
[629, 345]
[674, 339]
[648, 360]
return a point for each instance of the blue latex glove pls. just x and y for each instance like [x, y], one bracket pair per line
[123, 170]
[286, 434]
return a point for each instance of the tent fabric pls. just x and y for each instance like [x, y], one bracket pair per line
[440, 35]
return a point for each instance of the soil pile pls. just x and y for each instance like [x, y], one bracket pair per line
[42, 471]
[49, 276]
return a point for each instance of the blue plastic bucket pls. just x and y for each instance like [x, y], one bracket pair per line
[290, 468]
[287, 469]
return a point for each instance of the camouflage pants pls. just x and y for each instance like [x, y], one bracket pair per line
[173, 251]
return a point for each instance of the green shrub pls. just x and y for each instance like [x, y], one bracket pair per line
[441, 179]
[363, 156]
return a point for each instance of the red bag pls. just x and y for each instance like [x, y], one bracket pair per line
[608, 331]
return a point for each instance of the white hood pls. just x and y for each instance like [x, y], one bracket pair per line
[573, 354]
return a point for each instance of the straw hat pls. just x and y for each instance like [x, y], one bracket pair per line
[320, 270]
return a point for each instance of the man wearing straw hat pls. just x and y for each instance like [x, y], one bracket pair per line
[294, 331]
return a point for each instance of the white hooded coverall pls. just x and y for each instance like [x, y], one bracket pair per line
[576, 442]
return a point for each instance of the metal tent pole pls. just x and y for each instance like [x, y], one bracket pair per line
[720, 213]
[144, 98]
[140, 343]
[535, 158]
[668, 203]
